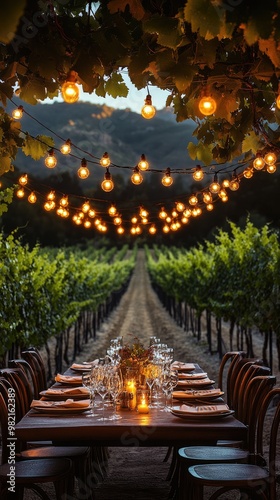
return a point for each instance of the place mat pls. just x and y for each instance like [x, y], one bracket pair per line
[202, 412]
[68, 379]
[207, 394]
[68, 406]
[63, 392]
[196, 382]
[187, 376]
[178, 365]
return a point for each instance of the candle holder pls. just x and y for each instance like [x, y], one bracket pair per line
[143, 401]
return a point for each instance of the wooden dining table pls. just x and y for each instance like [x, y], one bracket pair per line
[157, 428]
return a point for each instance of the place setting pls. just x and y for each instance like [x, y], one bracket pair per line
[57, 393]
[69, 406]
[201, 394]
[197, 412]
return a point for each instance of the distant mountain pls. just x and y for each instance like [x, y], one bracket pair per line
[124, 134]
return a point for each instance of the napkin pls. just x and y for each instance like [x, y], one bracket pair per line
[195, 376]
[69, 403]
[68, 379]
[83, 366]
[206, 392]
[203, 381]
[205, 410]
[70, 391]
[178, 365]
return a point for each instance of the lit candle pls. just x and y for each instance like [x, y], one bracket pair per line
[130, 387]
[143, 406]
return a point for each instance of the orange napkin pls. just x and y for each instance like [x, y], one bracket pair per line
[68, 379]
[83, 366]
[202, 381]
[70, 391]
[178, 365]
[205, 410]
[69, 403]
[195, 376]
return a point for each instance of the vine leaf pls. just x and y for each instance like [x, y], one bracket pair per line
[252, 143]
[204, 17]
[35, 148]
[5, 164]
[116, 87]
[166, 29]
[135, 7]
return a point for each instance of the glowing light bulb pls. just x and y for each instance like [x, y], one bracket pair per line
[143, 164]
[32, 198]
[187, 212]
[166, 228]
[193, 200]
[145, 220]
[180, 207]
[117, 220]
[271, 168]
[167, 179]
[83, 171]
[248, 173]
[51, 196]
[234, 184]
[78, 221]
[198, 173]
[258, 163]
[23, 180]
[136, 177]
[91, 213]
[105, 160]
[148, 111]
[138, 230]
[152, 229]
[168, 219]
[185, 220]
[143, 212]
[214, 187]
[134, 220]
[87, 224]
[270, 158]
[86, 207]
[162, 214]
[107, 185]
[207, 105]
[17, 113]
[207, 197]
[66, 147]
[51, 160]
[20, 193]
[209, 207]
[196, 212]
[70, 90]
[64, 201]
[174, 214]
[112, 210]
[120, 230]
[49, 205]
[225, 183]
[224, 199]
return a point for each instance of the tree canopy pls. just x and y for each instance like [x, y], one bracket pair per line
[228, 49]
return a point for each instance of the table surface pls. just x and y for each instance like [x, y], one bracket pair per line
[158, 428]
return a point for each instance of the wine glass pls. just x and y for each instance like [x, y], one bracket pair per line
[115, 387]
[87, 383]
[103, 387]
[173, 383]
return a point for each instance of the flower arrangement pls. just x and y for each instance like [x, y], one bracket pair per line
[134, 354]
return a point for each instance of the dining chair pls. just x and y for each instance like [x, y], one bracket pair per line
[255, 392]
[33, 474]
[36, 362]
[227, 364]
[29, 372]
[258, 477]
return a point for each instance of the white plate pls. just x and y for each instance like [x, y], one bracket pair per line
[61, 396]
[196, 382]
[56, 410]
[191, 376]
[199, 416]
[204, 394]
[183, 367]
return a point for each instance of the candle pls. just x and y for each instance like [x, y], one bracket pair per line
[131, 388]
[143, 406]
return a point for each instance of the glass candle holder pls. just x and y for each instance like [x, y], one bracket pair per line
[143, 401]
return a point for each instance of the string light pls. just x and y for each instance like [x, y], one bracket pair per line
[215, 187]
[120, 230]
[49, 205]
[167, 179]
[86, 207]
[17, 113]
[234, 183]
[51, 160]
[152, 229]
[187, 212]
[209, 207]
[66, 147]
[112, 210]
[148, 111]
[91, 213]
[162, 214]
[198, 174]
[143, 164]
[32, 198]
[143, 212]
[20, 193]
[105, 160]
[193, 200]
[248, 173]
[23, 180]
[270, 158]
[207, 197]
[107, 185]
[180, 207]
[83, 171]
[185, 220]
[166, 229]
[136, 177]
[207, 105]
[134, 220]
[70, 90]
[196, 211]
[174, 214]
[63, 201]
[51, 196]
[117, 220]
[258, 162]
[225, 183]
[271, 168]
[87, 224]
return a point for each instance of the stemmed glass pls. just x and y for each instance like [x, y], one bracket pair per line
[103, 387]
[115, 387]
[169, 381]
[173, 383]
[152, 373]
[87, 383]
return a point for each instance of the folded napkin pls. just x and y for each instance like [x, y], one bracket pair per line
[195, 376]
[202, 381]
[178, 365]
[70, 391]
[68, 379]
[83, 366]
[205, 410]
[197, 394]
[69, 403]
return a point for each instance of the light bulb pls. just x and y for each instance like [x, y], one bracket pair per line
[180, 207]
[173, 226]
[143, 212]
[20, 193]
[185, 220]
[166, 228]
[248, 173]
[234, 184]
[91, 213]
[87, 224]
[224, 199]
[133, 230]
[222, 193]
[81, 215]
[215, 186]
[138, 230]
[143, 164]
[162, 214]
[78, 221]
[134, 220]
[152, 229]
[107, 185]
[145, 220]
[198, 173]
[83, 171]
[207, 197]
[167, 179]
[63, 201]
[85, 207]
[209, 207]
[117, 220]
[174, 213]
[187, 212]
[136, 177]
[49, 205]
[168, 219]
[23, 180]
[32, 198]
[207, 105]
[258, 163]
[112, 210]
[105, 160]
[270, 158]
[148, 111]
[51, 160]
[196, 212]
[193, 200]
[271, 168]
[225, 183]
[17, 113]
[70, 90]
[51, 196]
[66, 147]
[120, 230]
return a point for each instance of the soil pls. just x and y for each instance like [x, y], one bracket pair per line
[140, 473]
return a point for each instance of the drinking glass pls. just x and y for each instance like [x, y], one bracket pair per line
[103, 387]
[115, 387]
[87, 383]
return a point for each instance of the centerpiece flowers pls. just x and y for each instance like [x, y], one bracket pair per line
[133, 358]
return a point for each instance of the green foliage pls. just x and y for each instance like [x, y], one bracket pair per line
[37, 147]
[6, 197]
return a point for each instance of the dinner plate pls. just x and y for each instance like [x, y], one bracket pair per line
[61, 396]
[191, 376]
[199, 416]
[56, 410]
[203, 394]
[68, 380]
[185, 367]
[196, 382]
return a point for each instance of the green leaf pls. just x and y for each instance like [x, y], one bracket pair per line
[166, 30]
[204, 153]
[135, 7]
[5, 164]
[192, 149]
[35, 148]
[10, 14]
[252, 142]
[100, 90]
[115, 86]
[204, 17]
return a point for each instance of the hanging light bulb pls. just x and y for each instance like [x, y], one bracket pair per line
[91, 213]
[167, 179]
[152, 229]
[209, 207]
[187, 212]
[20, 193]
[173, 226]
[143, 212]
[174, 213]
[180, 207]
[32, 198]
[138, 230]
[207, 197]
[168, 219]
[49, 205]
[120, 230]
[198, 173]
[23, 180]
[234, 183]
[64, 201]
[133, 230]
[87, 224]
[248, 173]
[215, 186]
[258, 162]
[86, 207]
[270, 158]
[66, 147]
[77, 221]
[225, 183]
[193, 200]
[17, 113]
[51, 196]
[271, 168]
[166, 228]
[105, 160]
[207, 105]
[134, 220]
[112, 210]
[81, 215]
[136, 177]
[196, 212]
[143, 164]
[107, 185]
[148, 111]
[145, 220]
[117, 220]
[70, 90]
[185, 220]
[51, 160]
[83, 171]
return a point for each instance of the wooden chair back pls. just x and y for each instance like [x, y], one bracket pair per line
[37, 364]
